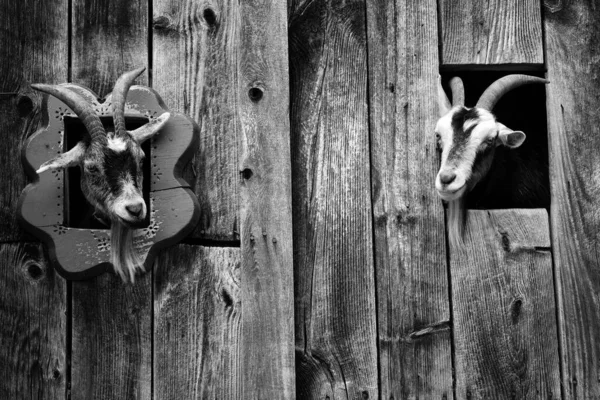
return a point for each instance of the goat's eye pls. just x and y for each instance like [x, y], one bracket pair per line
[92, 169]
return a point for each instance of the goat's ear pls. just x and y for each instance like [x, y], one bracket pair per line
[508, 137]
[65, 160]
[145, 132]
[443, 101]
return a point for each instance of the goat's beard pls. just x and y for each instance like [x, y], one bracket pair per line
[123, 255]
[456, 221]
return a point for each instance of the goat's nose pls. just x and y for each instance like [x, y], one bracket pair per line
[134, 209]
[447, 177]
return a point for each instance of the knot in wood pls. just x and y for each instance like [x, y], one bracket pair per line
[247, 173]
[255, 94]
[34, 270]
[161, 22]
[209, 17]
[24, 106]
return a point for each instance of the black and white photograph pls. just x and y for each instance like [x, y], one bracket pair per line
[299, 199]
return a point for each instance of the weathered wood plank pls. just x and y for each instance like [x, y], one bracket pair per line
[506, 343]
[112, 335]
[265, 202]
[109, 37]
[33, 298]
[26, 56]
[410, 251]
[335, 309]
[33, 331]
[195, 71]
[197, 324]
[491, 32]
[573, 58]
[111, 346]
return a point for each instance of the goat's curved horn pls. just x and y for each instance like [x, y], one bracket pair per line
[119, 95]
[496, 90]
[458, 91]
[79, 105]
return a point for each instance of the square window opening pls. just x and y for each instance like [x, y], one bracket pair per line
[78, 211]
[518, 178]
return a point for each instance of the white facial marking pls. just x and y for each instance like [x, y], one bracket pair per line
[461, 167]
[117, 144]
[129, 195]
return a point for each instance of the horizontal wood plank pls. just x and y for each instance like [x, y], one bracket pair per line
[573, 99]
[195, 71]
[495, 32]
[33, 332]
[410, 251]
[197, 324]
[334, 276]
[505, 329]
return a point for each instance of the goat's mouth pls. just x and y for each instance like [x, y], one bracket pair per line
[131, 223]
[449, 195]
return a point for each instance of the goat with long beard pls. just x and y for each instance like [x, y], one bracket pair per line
[111, 168]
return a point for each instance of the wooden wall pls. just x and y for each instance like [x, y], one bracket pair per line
[320, 267]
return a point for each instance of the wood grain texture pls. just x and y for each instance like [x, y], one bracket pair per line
[573, 57]
[197, 324]
[335, 309]
[265, 202]
[33, 303]
[505, 331]
[491, 32]
[112, 338]
[195, 71]
[109, 37]
[33, 48]
[111, 346]
[410, 251]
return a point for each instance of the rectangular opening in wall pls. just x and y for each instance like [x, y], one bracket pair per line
[78, 212]
[517, 178]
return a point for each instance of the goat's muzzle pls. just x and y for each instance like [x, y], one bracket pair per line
[449, 184]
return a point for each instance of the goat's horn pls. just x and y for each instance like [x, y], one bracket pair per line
[119, 95]
[496, 90]
[79, 105]
[458, 91]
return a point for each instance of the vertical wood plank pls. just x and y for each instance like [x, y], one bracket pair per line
[109, 38]
[573, 54]
[112, 338]
[504, 310]
[111, 349]
[26, 56]
[33, 298]
[491, 32]
[33, 306]
[335, 310]
[197, 324]
[265, 202]
[195, 71]
[410, 251]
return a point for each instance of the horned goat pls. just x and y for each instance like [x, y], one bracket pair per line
[469, 139]
[111, 167]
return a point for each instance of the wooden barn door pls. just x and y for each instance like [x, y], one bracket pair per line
[214, 319]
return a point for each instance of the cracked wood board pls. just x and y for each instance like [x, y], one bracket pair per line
[505, 330]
